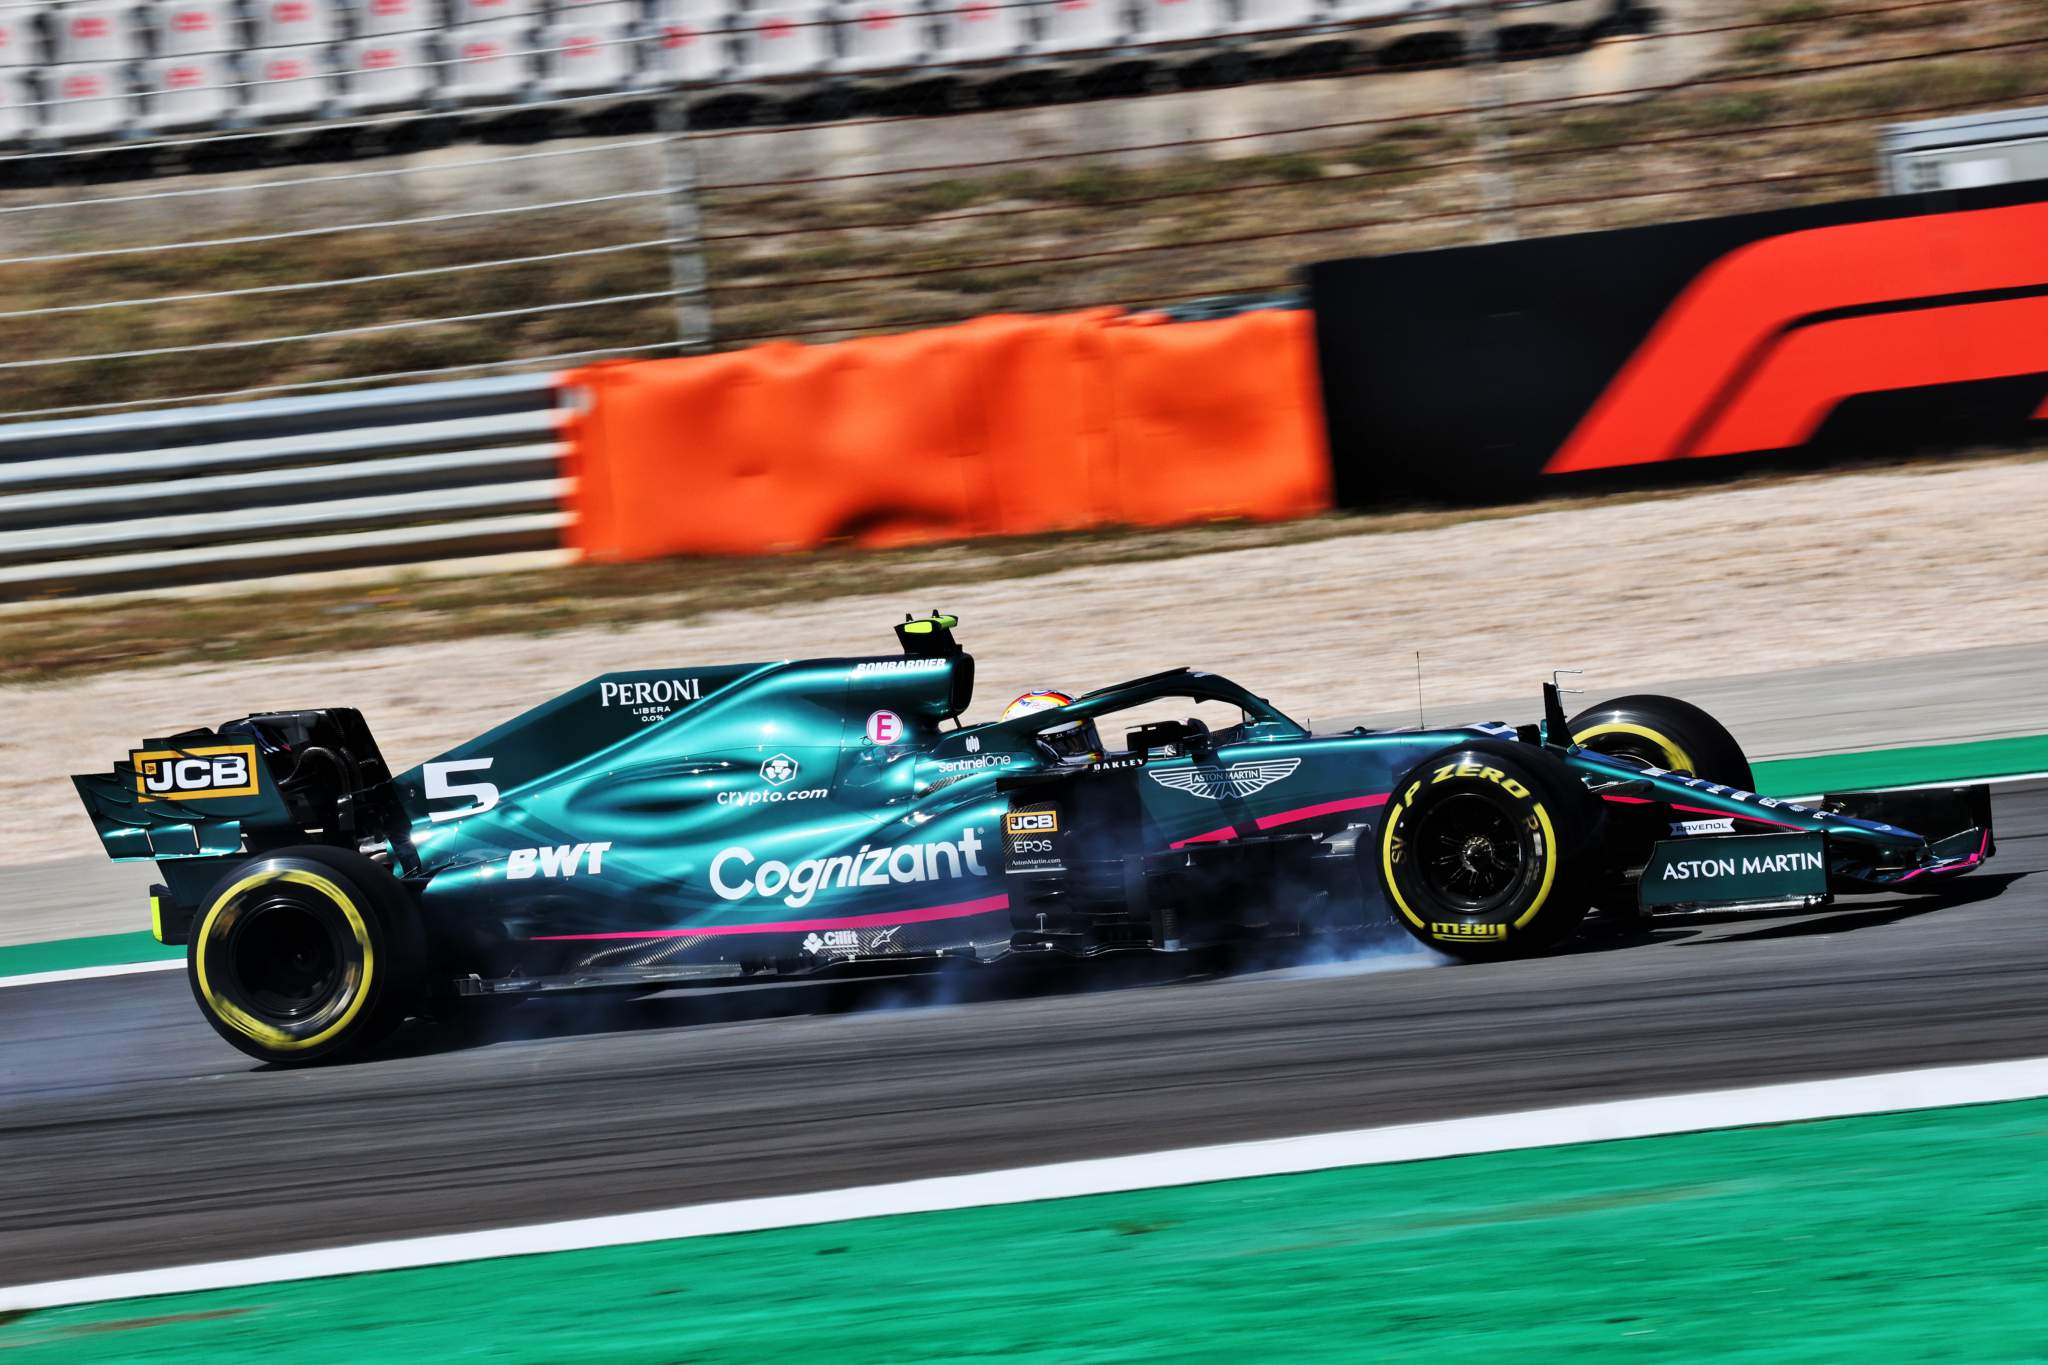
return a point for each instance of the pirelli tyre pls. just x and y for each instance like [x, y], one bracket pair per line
[1488, 849]
[305, 954]
[1666, 733]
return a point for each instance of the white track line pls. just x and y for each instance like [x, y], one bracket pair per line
[89, 973]
[1933, 786]
[1603, 1122]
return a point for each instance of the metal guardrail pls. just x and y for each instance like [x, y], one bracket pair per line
[247, 490]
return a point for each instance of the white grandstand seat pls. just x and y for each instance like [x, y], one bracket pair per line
[490, 61]
[615, 12]
[982, 30]
[293, 23]
[189, 92]
[1181, 21]
[462, 14]
[17, 115]
[389, 72]
[579, 57]
[690, 44]
[17, 38]
[93, 31]
[882, 35]
[375, 18]
[91, 101]
[286, 82]
[780, 40]
[1271, 16]
[1382, 11]
[188, 27]
[1079, 26]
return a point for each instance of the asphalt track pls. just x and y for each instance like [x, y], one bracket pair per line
[130, 1137]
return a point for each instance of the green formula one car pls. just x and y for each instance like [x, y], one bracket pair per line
[724, 824]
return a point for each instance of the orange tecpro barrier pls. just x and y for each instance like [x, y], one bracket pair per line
[999, 426]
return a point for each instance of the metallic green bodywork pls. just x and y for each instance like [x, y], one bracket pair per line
[683, 823]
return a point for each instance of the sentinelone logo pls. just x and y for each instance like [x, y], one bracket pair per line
[798, 883]
[1766, 342]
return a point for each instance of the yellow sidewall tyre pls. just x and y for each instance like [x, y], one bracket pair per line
[1667, 732]
[305, 955]
[1486, 850]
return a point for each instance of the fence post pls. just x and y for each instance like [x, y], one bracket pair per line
[1481, 32]
[687, 277]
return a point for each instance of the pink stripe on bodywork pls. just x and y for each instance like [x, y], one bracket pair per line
[1288, 817]
[958, 910]
[1702, 810]
[1738, 815]
[1963, 866]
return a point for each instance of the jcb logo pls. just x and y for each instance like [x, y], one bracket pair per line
[210, 771]
[1032, 822]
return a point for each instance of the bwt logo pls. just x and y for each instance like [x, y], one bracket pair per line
[188, 774]
[560, 860]
[1032, 822]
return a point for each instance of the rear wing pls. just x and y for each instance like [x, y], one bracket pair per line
[189, 796]
[286, 777]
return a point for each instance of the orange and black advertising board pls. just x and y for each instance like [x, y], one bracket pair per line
[1870, 327]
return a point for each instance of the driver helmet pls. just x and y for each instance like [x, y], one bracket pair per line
[1077, 741]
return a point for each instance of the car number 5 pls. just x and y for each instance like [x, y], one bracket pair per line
[483, 794]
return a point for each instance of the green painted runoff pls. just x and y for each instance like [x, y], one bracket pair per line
[1902, 1236]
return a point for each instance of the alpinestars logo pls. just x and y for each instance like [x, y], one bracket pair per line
[1238, 780]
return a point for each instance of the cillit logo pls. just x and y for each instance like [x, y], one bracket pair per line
[213, 770]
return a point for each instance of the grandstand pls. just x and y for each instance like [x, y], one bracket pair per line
[115, 72]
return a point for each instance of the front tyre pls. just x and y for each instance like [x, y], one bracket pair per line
[1664, 732]
[305, 954]
[1487, 851]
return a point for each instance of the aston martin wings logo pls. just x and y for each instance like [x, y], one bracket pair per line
[1239, 779]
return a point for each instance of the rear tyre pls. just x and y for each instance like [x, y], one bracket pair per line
[1665, 733]
[305, 955]
[1488, 849]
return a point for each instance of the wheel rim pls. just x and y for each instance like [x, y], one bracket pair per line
[1618, 739]
[286, 960]
[1472, 854]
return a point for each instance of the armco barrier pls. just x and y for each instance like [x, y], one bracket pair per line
[999, 426]
[246, 490]
[1864, 327]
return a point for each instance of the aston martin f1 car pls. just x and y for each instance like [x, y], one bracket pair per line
[684, 826]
